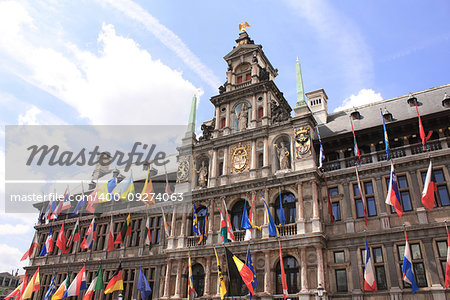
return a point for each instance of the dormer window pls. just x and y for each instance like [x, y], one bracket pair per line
[412, 101]
[239, 79]
[355, 115]
[248, 76]
[446, 101]
[387, 115]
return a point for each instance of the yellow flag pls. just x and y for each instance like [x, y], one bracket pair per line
[33, 285]
[223, 289]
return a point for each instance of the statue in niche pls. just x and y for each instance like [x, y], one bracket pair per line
[202, 175]
[283, 155]
[242, 117]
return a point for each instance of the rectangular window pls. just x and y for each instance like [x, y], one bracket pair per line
[239, 79]
[333, 191]
[128, 279]
[101, 237]
[341, 280]
[370, 200]
[155, 228]
[135, 237]
[82, 233]
[405, 199]
[441, 196]
[376, 256]
[339, 257]
[336, 210]
[248, 77]
[150, 275]
[417, 261]
[442, 254]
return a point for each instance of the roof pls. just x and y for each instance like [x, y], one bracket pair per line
[429, 102]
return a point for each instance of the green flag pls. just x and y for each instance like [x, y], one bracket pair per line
[99, 285]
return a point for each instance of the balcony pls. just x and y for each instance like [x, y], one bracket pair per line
[288, 229]
[192, 241]
[242, 84]
[239, 235]
[380, 156]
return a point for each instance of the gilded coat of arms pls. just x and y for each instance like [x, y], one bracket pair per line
[239, 158]
[302, 142]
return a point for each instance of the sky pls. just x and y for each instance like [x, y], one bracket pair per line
[122, 62]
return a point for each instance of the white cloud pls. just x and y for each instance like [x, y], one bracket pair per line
[167, 37]
[121, 84]
[364, 96]
[352, 57]
[10, 258]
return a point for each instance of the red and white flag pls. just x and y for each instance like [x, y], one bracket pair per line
[61, 241]
[66, 202]
[229, 226]
[393, 195]
[447, 272]
[30, 251]
[110, 238]
[90, 236]
[283, 274]
[429, 188]
[168, 190]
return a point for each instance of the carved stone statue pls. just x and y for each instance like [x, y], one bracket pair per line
[242, 117]
[263, 74]
[207, 130]
[202, 175]
[278, 113]
[283, 155]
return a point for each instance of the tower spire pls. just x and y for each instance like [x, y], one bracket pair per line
[191, 124]
[300, 90]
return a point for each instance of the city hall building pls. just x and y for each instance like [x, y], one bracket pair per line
[257, 146]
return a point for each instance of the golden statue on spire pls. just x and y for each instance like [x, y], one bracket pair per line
[243, 26]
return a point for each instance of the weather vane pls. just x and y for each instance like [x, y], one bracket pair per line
[243, 26]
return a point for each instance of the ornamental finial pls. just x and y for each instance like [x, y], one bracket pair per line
[243, 26]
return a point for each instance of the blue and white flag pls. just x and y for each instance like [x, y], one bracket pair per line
[386, 140]
[407, 269]
[51, 289]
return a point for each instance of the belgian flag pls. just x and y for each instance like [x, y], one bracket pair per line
[126, 230]
[116, 281]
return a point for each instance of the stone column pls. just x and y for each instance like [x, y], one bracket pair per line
[253, 158]
[173, 224]
[301, 208]
[265, 118]
[167, 279]
[179, 279]
[267, 282]
[208, 276]
[266, 152]
[320, 272]
[212, 208]
[217, 125]
[254, 112]
[183, 221]
[214, 164]
[303, 269]
[226, 167]
[315, 198]
[228, 116]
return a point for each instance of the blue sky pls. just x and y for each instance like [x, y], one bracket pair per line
[124, 62]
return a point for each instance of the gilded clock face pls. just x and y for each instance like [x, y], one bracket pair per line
[239, 159]
[183, 170]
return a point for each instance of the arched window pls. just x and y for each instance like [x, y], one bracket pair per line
[261, 160]
[260, 112]
[221, 168]
[198, 278]
[222, 123]
[288, 200]
[201, 214]
[236, 214]
[292, 275]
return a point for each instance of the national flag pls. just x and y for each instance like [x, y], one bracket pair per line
[222, 287]
[194, 220]
[369, 275]
[48, 246]
[234, 278]
[33, 286]
[126, 230]
[116, 281]
[143, 285]
[104, 191]
[168, 190]
[229, 226]
[15, 292]
[166, 227]
[90, 236]
[51, 289]
[356, 149]
[148, 193]
[249, 264]
[58, 295]
[91, 200]
[191, 293]
[61, 241]
[34, 244]
[283, 274]
[407, 269]
[148, 234]
[245, 272]
[125, 188]
[321, 153]
[41, 217]
[57, 210]
[250, 214]
[81, 203]
[51, 207]
[423, 137]
[110, 237]
[66, 200]
[429, 188]
[386, 140]
[282, 218]
[78, 284]
[223, 228]
[204, 229]
[112, 183]
[393, 196]
[75, 236]
[330, 206]
[245, 223]
[96, 197]
[96, 285]
[447, 266]
[363, 196]
[273, 230]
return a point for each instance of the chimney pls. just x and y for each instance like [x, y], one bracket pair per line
[318, 104]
